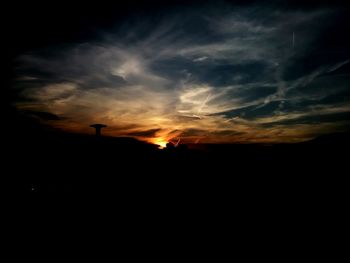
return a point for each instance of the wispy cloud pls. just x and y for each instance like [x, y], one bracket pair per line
[177, 79]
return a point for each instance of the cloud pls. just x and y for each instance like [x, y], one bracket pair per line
[147, 133]
[223, 76]
[200, 59]
[43, 115]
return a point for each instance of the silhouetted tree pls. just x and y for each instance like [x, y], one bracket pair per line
[170, 146]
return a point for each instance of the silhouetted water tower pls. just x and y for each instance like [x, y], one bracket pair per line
[98, 128]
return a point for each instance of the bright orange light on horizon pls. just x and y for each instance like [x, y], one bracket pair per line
[160, 142]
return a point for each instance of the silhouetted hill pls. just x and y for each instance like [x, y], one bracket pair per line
[46, 161]
[335, 139]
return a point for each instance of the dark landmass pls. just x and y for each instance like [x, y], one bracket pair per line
[38, 161]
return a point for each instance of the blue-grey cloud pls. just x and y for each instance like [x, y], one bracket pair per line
[253, 73]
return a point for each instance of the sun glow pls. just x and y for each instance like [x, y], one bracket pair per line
[161, 142]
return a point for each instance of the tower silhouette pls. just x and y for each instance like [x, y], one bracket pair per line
[98, 128]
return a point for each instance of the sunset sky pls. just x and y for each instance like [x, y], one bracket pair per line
[211, 73]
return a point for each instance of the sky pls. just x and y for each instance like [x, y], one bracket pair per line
[200, 73]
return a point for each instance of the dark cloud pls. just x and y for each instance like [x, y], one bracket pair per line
[315, 119]
[202, 70]
[43, 115]
[147, 133]
[194, 132]
[253, 112]
[242, 73]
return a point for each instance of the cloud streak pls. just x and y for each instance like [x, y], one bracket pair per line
[225, 77]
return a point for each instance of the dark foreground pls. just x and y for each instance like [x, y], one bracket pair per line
[74, 164]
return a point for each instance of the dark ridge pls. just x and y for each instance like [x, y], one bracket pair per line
[335, 139]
